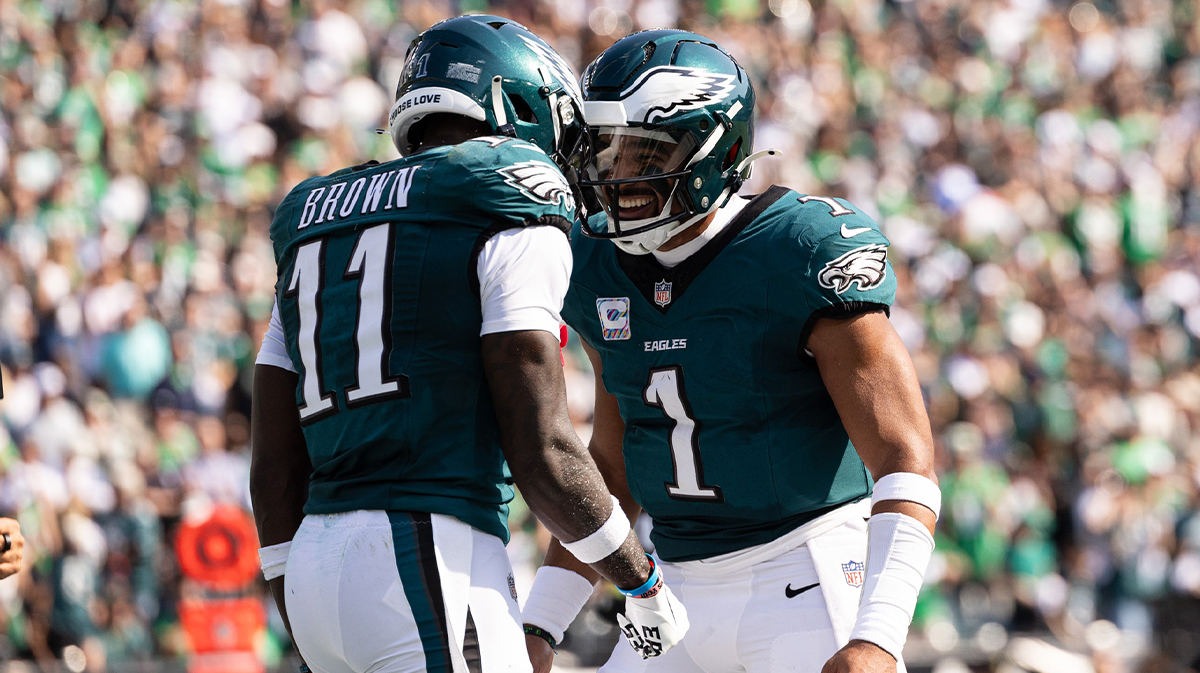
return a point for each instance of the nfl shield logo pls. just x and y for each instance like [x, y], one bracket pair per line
[854, 573]
[662, 293]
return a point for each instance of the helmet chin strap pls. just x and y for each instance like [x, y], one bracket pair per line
[502, 125]
[743, 168]
[647, 242]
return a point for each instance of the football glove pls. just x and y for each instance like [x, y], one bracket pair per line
[654, 620]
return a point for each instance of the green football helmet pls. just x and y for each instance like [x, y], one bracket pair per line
[670, 115]
[496, 71]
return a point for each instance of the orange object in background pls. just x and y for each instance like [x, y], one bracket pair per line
[222, 624]
[220, 550]
[218, 554]
[225, 662]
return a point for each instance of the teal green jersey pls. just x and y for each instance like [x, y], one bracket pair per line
[379, 299]
[731, 438]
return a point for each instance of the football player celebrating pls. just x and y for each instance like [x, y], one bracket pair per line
[413, 361]
[751, 394]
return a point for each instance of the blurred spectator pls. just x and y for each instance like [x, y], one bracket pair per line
[1036, 166]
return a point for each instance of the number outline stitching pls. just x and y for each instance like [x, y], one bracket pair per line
[717, 496]
[324, 395]
[401, 380]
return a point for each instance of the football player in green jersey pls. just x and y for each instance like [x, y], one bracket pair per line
[413, 360]
[751, 394]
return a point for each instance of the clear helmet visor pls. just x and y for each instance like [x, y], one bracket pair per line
[635, 178]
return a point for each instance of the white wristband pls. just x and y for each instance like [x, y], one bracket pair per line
[908, 486]
[555, 600]
[607, 539]
[898, 552]
[274, 559]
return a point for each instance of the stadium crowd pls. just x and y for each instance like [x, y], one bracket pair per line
[1035, 164]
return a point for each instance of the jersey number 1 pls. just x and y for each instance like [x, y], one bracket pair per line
[371, 264]
[665, 391]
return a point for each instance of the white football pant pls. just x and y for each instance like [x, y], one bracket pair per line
[399, 592]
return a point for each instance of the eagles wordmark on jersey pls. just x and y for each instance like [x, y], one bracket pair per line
[378, 296]
[731, 438]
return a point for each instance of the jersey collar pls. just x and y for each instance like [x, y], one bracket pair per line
[644, 271]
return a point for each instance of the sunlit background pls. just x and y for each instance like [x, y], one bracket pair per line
[1035, 165]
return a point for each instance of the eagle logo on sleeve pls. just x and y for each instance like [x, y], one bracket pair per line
[539, 181]
[866, 266]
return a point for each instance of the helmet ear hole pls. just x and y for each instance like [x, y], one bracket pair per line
[522, 109]
[731, 156]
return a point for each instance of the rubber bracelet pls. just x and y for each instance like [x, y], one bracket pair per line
[531, 630]
[654, 579]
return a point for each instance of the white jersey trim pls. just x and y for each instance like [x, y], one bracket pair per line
[273, 351]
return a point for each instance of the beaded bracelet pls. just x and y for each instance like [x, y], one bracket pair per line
[531, 630]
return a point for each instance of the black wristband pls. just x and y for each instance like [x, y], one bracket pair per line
[541, 633]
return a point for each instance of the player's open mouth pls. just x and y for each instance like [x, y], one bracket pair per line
[638, 206]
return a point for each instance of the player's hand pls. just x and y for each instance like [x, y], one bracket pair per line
[859, 656]
[655, 623]
[541, 655]
[10, 560]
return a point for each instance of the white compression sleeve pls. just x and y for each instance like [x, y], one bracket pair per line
[898, 551]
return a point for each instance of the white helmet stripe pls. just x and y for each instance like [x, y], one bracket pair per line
[605, 113]
[498, 101]
[427, 100]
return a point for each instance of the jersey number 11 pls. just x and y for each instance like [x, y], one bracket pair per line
[371, 264]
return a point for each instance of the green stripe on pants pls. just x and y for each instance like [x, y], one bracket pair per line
[412, 537]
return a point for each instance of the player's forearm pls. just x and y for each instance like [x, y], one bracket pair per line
[874, 387]
[278, 593]
[279, 467]
[565, 491]
[873, 384]
[558, 557]
[556, 475]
